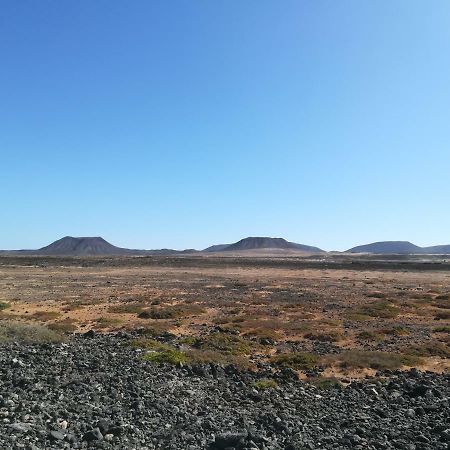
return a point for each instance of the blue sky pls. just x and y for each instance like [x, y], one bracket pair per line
[188, 123]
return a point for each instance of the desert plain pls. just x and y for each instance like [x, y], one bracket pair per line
[336, 317]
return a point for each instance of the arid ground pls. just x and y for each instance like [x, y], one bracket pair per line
[339, 317]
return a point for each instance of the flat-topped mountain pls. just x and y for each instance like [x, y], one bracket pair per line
[260, 243]
[399, 247]
[83, 246]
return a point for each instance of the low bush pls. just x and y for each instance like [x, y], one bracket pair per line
[150, 344]
[27, 333]
[325, 383]
[397, 330]
[63, 326]
[369, 336]
[265, 384]
[359, 359]
[171, 312]
[4, 305]
[330, 336]
[106, 322]
[224, 343]
[432, 348]
[168, 356]
[196, 356]
[380, 309]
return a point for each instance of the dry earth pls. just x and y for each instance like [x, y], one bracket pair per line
[353, 316]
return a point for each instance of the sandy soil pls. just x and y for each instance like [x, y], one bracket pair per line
[325, 306]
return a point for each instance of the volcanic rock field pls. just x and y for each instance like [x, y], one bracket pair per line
[97, 391]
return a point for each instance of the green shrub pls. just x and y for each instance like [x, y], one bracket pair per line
[326, 383]
[4, 305]
[265, 384]
[150, 344]
[168, 356]
[224, 343]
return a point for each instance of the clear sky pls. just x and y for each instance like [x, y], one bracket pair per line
[187, 123]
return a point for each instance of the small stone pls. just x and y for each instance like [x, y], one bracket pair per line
[20, 427]
[56, 435]
[93, 435]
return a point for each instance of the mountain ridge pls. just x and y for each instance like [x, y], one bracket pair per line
[398, 247]
[260, 243]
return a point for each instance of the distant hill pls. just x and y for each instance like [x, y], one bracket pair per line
[258, 243]
[399, 247]
[216, 248]
[82, 246]
[437, 249]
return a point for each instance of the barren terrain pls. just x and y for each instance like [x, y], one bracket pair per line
[352, 317]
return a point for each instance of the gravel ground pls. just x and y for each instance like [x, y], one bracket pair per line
[97, 392]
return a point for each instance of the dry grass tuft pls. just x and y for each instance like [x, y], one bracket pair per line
[359, 359]
[27, 333]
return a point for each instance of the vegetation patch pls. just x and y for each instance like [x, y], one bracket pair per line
[264, 384]
[295, 360]
[45, 316]
[432, 348]
[27, 333]
[106, 322]
[359, 359]
[397, 330]
[443, 329]
[150, 344]
[330, 336]
[369, 336]
[224, 343]
[4, 305]
[196, 357]
[380, 309]
[171, 312]
[168, 356]
[63, 326]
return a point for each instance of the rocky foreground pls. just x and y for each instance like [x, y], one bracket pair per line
[96, 391]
